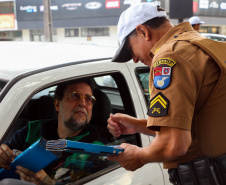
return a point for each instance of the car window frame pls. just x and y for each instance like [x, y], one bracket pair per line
[118, 75]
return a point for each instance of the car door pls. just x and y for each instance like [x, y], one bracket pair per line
[127, 97]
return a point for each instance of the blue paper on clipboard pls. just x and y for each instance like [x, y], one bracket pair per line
[34, 158]
[80, 147]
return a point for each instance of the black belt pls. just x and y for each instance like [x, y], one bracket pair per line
[173, 176]
[203, 171]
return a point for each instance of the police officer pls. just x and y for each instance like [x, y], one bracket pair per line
[195, 23]
[187, 97]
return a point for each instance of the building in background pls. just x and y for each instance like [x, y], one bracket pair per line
[8, 20]
[87, 21]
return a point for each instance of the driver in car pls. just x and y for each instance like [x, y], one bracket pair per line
[74, 102]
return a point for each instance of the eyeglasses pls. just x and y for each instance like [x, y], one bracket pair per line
[90, 100]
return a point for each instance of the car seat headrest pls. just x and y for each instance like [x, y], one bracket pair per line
[42, 108]
[101, 108]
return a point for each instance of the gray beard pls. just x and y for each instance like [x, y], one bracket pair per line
[72, 124]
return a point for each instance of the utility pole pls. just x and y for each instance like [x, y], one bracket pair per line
[47, 17]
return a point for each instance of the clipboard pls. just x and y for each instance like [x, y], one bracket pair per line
[34, 158]
[80, 147]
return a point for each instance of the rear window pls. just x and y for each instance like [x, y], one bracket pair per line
[217, 38]
[106, 81]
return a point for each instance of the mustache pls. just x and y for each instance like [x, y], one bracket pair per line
[80, 110]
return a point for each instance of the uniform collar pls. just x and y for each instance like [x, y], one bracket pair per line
[171, 34]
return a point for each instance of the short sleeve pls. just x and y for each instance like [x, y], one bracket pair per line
[175, 81]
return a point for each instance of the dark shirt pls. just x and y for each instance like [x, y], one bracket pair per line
[48, 130]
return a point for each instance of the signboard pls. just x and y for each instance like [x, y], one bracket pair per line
[214, 8]
[7, 15]
[28, 10]
[67, 9]
[74, 13]
[7, 22]
[6, 0]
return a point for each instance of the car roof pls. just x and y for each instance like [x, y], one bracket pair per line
[213, 34]
[21, 57]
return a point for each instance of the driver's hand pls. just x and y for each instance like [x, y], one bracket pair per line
[29, 176]
[6, 156]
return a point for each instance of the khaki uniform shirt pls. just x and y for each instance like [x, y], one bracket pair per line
[182, 78]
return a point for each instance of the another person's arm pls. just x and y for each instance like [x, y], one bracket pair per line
[168, 145]
[123, 124]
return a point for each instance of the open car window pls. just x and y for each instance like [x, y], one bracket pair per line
[81, 167]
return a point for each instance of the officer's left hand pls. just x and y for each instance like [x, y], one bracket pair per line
[128, 159]
[30, 176]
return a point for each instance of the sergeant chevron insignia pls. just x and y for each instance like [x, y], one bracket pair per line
[162, 72]
[159, 105]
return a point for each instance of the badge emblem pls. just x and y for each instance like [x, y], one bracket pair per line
[162, 72]
[158, 106]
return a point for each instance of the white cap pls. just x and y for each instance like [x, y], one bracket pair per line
[195, 20]
[132, 17]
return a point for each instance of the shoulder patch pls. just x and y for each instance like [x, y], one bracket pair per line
[162, 72]
[158, 106]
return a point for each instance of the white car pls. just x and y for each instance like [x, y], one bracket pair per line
[30, 71]
[216, 37]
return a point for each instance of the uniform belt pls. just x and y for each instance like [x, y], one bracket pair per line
[173, 176]
[206, 170]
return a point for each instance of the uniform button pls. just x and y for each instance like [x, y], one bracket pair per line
[175, 36]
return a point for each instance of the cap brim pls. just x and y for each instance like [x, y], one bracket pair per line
[122, 54]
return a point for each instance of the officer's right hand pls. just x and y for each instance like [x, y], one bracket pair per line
[6, 156]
